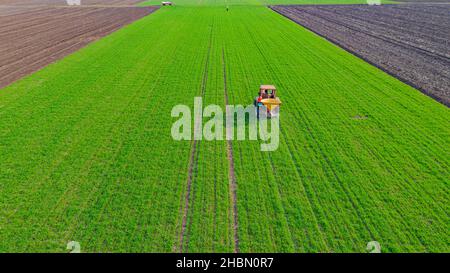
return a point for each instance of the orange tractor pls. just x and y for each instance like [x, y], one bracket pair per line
[267, 98]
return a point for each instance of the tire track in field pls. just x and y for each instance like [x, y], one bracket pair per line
[193, 158]
[232, 175]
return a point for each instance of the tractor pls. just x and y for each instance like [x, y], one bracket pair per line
[267, 98]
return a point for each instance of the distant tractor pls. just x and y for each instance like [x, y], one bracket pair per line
[267, 97]
[166, 3]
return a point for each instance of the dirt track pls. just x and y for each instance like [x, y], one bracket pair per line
[231, 172]
[410, 42]
[33, 37]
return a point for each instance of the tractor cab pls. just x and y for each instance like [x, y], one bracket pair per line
[268, 99]
[267, 91]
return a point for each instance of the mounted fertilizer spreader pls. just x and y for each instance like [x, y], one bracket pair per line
[267, 100]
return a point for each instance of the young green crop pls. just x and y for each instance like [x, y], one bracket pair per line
[87, 154]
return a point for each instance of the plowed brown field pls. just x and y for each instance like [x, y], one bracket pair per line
[33, 37]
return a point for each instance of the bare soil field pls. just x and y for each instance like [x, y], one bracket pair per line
[408, 41]
[33, 37]
[63, 2]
